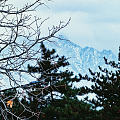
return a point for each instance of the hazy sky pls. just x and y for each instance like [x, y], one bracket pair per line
[94, 23]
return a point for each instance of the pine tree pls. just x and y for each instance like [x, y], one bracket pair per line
[52, 79]
[50, 75]
[41, 98]
[106, 86]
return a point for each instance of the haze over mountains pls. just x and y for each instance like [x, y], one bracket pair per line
[81, 59]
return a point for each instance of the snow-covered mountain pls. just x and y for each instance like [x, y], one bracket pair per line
[81, 59]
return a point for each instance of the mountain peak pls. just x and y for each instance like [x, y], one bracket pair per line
[82, 58]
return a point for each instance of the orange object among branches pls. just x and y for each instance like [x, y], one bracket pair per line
[10, 103]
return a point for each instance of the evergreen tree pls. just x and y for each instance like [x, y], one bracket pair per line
[106, 86]
[42, 95]
[51, 77]
[52, 80]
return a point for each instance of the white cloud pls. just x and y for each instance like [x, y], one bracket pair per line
[94, 23]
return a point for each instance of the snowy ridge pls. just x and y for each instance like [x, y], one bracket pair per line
[81, 59]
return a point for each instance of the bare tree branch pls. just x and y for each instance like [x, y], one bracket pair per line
[20, 40]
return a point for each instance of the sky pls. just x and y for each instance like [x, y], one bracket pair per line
[94, 23]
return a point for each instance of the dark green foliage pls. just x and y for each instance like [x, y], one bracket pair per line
[64, 106]
[50, 75]
[41, 97]
[107, 89]
[69, 109]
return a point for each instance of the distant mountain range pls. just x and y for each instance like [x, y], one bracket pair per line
[81, 59]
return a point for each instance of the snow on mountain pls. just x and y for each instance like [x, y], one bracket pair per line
[81, 59]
